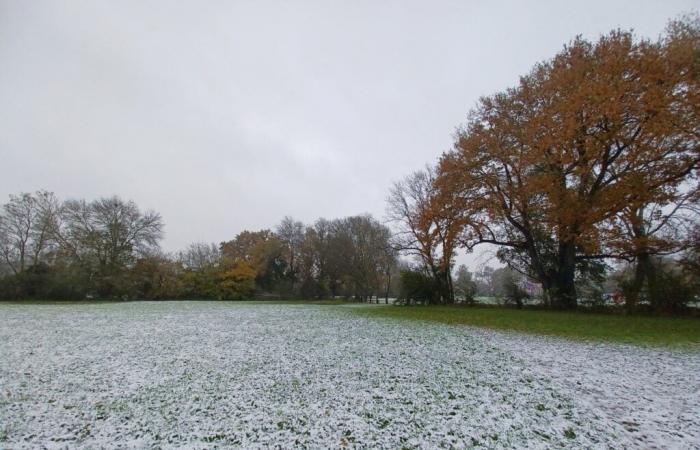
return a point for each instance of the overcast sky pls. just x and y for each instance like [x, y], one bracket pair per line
[225, 116]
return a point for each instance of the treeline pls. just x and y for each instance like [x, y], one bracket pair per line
[589, 164]
[351, 258]
[109, 249]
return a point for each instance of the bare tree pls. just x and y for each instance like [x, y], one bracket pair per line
[48, 208]
[465, 287]
[422, 230]
[200, 256]
[15, 230]
[369, 239]
[291, 233]
[26, 225]
[644, 233]
[110, 230]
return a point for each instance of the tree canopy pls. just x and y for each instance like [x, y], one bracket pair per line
[549, 169]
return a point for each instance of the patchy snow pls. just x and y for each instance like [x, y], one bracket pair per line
[208, 374]
[652, 395]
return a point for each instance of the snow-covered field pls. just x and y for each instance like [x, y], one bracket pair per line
[208, 375]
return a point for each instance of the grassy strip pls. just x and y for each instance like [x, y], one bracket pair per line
[641, 330]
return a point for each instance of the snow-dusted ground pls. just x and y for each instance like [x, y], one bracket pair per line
[208, 375]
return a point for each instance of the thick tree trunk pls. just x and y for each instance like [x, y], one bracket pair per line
[641, 261]
[564, 287]
[439, 294]
[546, 294]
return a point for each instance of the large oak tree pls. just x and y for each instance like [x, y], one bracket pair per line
[539, 168]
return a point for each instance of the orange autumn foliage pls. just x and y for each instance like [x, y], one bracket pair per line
[543, 169]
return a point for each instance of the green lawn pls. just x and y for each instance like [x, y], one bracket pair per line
[576, 325]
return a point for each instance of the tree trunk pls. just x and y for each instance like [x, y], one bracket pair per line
[546, 293]
[656, 291]
[645, 270]
[564, 288]
[388, 286]
[642, 260]
[450, 286]
[632, 294]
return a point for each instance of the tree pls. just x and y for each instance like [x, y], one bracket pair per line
[310, 285]
[540, 168]
[158, 277]
[26, 225]
[418, 286]
[690, 262]
[237, 282]
[104, 238]
[76, 248]
[243, 246]
[483, 278]
[507, 286]
[110, 230]
[328, 270]
[388, 262]
[264, 252]
[335, 247]
[290, 232]
[465, 287]
[200, 256]
[270, 265]
[642, 234]
[423, 229]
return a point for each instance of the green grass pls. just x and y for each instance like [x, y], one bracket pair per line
[641, 330]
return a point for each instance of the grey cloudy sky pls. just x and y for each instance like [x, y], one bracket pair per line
[226, 116]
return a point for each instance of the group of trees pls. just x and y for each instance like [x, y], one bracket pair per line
[590, 160]
[492, 286]
[71, 249]
[109, 248]
[349, 258]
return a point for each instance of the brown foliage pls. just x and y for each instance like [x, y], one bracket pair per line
[545, 168]
[242, 247]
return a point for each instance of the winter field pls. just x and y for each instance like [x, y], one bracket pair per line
[222, 374]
